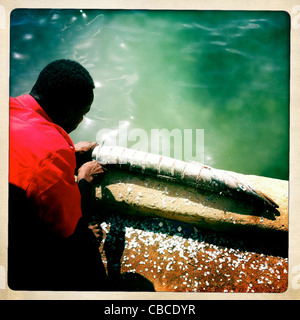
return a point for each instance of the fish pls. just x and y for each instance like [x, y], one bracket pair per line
[197, 175]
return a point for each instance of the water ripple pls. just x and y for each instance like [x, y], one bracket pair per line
[219, 43]
[233, 51]
[190, 69]
[250, 26]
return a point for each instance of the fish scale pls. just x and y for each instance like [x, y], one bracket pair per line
[197, 175]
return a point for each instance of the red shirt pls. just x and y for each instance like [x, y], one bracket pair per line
[42, 163]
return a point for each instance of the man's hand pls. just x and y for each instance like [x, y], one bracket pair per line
[83, 152]
[97, 230]
[90, 171]
[84, 146]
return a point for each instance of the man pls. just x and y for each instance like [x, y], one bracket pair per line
[50, 246]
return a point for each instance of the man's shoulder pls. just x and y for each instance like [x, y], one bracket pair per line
[35, 143]
[31, 129]
[37, 135]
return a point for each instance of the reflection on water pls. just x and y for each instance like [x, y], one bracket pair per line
[224, 72]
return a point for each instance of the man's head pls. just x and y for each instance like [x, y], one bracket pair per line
[64, 89]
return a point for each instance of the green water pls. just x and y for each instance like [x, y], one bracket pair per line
[225, 72]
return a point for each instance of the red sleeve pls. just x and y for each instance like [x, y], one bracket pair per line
[56, 193]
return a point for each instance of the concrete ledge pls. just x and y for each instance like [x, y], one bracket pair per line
[138, 195]
[154, 237]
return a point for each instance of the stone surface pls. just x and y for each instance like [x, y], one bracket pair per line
[164, 255]
[161, 236]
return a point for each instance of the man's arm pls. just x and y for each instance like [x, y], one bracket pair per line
[55, 192]
[83, 152]
[89, 173]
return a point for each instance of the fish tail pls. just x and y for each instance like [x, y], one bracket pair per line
[267, 199]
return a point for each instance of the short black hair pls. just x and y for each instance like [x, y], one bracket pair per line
[63, 85]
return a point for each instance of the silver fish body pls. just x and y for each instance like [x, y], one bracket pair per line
[193, 174]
